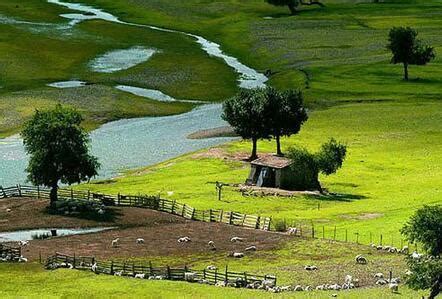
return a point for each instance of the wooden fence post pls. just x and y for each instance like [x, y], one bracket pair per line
[230, 219]
[334, 234]
[119, 198]
[244, 219]
[19, 190]
[204, 273]
[72, 194]
[210, 215]
[193, 214]
[168, 272]
[173, 207]
[380, 239]
[150, 268]
[221, 216]
[133, 268]
[184, 210]
[258, 222]
[3, 191]
[112, 268]
[38, 192]
[323, 232]
[216, 276]
[346, 235]
[88, 195]
[313, 232]
[227, 277]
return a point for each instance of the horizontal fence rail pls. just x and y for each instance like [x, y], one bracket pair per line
[132, 269]
[145, 201]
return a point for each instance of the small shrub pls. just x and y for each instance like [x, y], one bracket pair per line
[281, 225]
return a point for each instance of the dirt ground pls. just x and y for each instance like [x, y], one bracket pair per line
[160, 231]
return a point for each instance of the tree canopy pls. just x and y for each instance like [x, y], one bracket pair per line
[425, 228]
[306, 166]
[408, 49]
[284, 113]
[58, 148]
[244, 112]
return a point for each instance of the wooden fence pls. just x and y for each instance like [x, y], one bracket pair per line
[6, 250]
[144, 201]
[166, 272]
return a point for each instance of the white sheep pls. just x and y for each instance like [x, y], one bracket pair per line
[408, 273]
[298, 288]
[311, 268]
[23, 243]
[8, 210]
[416, 256]
[251, 248]
[140, 276]
[184, 240]
[386, 248]
[22, 259]
[211, 244]
[395, 280]
[69, 266]
[404, 250]
[101, 212]
[379, 247]
[237, 255]
[360, 259]
[118, 273]
[394, 287]
[94, 268]
[334, 287]
[393, 250]
[140, 241]
[292, 230]
[308, 288]
[115, 242]
[211, 268]
[268, 283]
[190, 276]
[381, 282]
[236, 239]
[320, 287]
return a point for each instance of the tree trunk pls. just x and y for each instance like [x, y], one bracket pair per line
[406, 71]
[278, 146]
[254, 149]
[436, 288]
[292, 9]
[54, 195]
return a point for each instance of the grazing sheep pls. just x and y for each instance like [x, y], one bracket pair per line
[372, 245]
[404, 250]
[69, 266]
[320, 287]
[211, 268]
[236, 239]
[335, 287]
[292, 230]
[23, 243]
[268, 283]
[140, 241]
[395, 280]
[119, 273]
[298, 288]
[237, 255]
[394, 287]
[393, 250]
[220, 284]
[184, 240]
[379, 275]
[379, 247]
[115, 242]
[386, 248]
[381, 282]
[416, 256]
[211, 244]
[408, 273]
[22, 259]
[8, 210]
[308, 288]
[190, 276]
[285, 288]
[140, 276]
[360, 259]
[251, 248]
[101, 212]
[94, 268]
[311, 268]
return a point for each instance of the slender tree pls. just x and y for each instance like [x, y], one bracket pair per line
[244, 112]
[425, 227]
[293, 4]
[284, 114]
[407, 49]
[58, 149]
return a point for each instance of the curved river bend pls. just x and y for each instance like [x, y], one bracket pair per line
[133, 143]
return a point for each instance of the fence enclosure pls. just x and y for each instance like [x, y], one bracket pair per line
[166, 272]
[147, 202]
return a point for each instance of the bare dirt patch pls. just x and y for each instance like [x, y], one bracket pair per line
[365, 216]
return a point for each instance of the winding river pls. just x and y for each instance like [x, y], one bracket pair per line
[133, 143]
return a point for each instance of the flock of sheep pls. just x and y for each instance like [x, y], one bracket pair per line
[7, 256]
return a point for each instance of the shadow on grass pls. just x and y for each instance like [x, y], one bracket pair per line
[345, 197]
[110, 216]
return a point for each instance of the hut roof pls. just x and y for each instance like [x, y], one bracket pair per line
[272, 161]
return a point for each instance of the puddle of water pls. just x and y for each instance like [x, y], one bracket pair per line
[121, 59]
[147, 93]
[68, 84]
[26, 235]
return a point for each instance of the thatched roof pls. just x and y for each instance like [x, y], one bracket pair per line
[272, 161]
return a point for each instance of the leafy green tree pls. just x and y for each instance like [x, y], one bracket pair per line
[306, 166]
[293, 4]
[58, 148]
[284, 114]
[425, 227]
[407, 49]
[244, 112]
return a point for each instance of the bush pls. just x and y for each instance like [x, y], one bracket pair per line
[281, 225]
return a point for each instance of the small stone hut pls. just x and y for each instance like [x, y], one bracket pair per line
[270, 171]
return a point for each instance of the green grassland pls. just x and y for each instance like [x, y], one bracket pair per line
[32, 56]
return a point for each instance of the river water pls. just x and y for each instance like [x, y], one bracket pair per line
[133, 143]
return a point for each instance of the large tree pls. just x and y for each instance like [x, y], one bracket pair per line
[58, 148]
[425, 228]
[293, 4]
[408, 49]
[244, 112]
[284, 114]
[306, 166]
